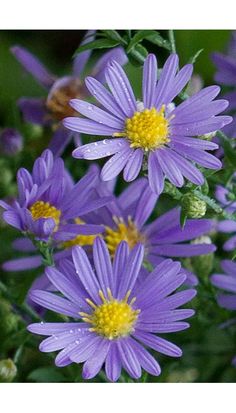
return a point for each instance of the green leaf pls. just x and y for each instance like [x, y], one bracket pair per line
[97, 44]
[46, 375]
[114, 35]
[183, 218]
[159, 41]
[193, 59]
[138, 37]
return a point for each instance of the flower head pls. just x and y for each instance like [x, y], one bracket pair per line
[52, 109]
[127, 218]
[49, 201]
[114, 315]
[153, 128]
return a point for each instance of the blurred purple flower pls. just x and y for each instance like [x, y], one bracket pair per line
[229, 205]
[117, 315]
[49, 201]
[11, 141]
[154, 127]
[226, 76]
[127, 219]
[55, 107]
[226, 282]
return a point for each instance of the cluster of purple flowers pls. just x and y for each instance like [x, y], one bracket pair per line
[112, 272]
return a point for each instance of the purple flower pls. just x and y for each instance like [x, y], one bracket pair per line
[226, 282]
[11, 142]
[154, 127]
[55, 107]
[127, 219]
[229, 205]
[49, 202]
[114, 317]
[226, 76]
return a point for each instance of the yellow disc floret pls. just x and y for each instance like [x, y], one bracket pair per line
[147, 129]
[41, 209]
[113, 318]
[80, 239]
[122, 232]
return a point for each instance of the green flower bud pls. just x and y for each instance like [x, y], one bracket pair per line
[192, 206]
[8, 320]
[8, 371]
[203, 264]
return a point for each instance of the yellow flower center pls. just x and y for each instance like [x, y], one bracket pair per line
[123, 232]
[81, 240]
[147, 130]
[112, 319]
[41, 209]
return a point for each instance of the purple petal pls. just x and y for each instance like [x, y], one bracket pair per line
[120, 263]
[88, 126]
[100, 149]
[102, 263]
[55, 303]
[180, 80]
[21, 264]
[202, 158]
[155, 174]
[169, 167]
[149, 80]
[166, 80]
[188, 170]
[104, 97]
[85, 348]
[60, 340]
[128, 358]
[85, 273]
[131, 272]
[94, 363]
[145, 206]
[114, 166]
[33, 110]
[118, 54]
[145, 359]
[81, 59]
[95, 113]
[183, 250]
[226, 282]
[121, 88]
[60, 139]
[113, 363]
[47, 329]
[33, 66]
[227, 301]
[159, 344]
[133, 165]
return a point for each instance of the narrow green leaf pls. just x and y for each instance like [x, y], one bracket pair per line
[97, 44]
[183, 218]
[114, 35]
[194, 58]
[46, 375]
[151, 35]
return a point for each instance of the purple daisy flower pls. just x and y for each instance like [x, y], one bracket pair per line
[114, 317]
[49, 201]
[226, 282]
[55, 107]
[153, 127]
[226, 76]
[127, 219]
[227, 225]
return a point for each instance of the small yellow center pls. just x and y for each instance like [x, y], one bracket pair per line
[81, 240]
[112, 319]
[147, 130]
[123, 232]
[41, 209]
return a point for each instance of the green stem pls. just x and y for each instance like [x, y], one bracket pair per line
[172, 40]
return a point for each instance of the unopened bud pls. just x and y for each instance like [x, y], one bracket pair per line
[8, 371]
[203, 264]
[192, 206]
[11, 142]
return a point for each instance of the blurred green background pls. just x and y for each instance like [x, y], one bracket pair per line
[208, 350]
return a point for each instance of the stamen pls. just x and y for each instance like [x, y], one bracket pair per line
[41, 209]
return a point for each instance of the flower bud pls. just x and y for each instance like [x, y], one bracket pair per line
[203, 264]
[8, 320]
[11, 141]
[192, 206]
[8, 371]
